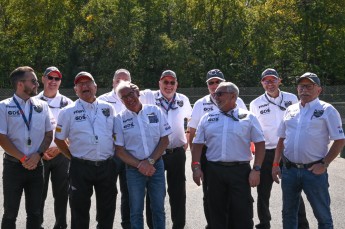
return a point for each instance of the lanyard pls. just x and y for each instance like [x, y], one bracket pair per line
[169, 105]
[280, 106]
[92, 122]
[231, 115]
[27, 122]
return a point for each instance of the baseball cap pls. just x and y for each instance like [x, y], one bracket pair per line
[168, 73]
[269, 72]
[83, 75]
[311, 76]
[215, 73]
[52, 69]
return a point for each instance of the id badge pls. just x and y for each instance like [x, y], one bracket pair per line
[28, 142]
[95, 139]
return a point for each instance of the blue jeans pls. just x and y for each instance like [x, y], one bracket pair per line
[316, 189]
[155, 185]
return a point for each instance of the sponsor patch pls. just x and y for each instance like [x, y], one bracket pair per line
[38, 108]
[152, 118]
[58, 129]
[106, 112]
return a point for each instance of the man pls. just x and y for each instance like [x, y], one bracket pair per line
[141, 133]
[205, 105]
[269, 109]
[114, 100]
[304, 135]
[227, 133]
[55, 163]
[26, 131]
[88, 126]
[175, 107]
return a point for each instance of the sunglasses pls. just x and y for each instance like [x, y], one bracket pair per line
[169, 82]
[266, 82]
[305, 86]
[33, 81]
[213, 82]
[220, 93]
[53, 78]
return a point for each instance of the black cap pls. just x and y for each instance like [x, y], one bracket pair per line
[269, 72]
[215, 73]
[311, 76]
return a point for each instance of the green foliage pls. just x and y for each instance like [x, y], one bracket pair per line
[241, 38]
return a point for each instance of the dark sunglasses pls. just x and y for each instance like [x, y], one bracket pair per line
[213, 82]
[220, 93]
[169, 82]
[33, 81]
[53, 78]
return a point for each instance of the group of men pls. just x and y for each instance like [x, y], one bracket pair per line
[138, 135]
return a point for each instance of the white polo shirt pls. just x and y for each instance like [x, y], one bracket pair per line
[270, 115]
[114, 100]
[82, 123]
[205, 105]
[55, 105]
[175, 115]
[140, 133]
[308, 130]
[12, 123]
[228, 140]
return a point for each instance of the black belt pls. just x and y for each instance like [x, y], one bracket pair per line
[232, 163]
[11, 158]
[169, 151]
[289, 164]
[93, 163]
[270, 150]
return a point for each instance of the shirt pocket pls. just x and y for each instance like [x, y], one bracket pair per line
[242, 128]
[38, 122]
[315, 126]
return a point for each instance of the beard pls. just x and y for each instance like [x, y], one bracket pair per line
[30, 91]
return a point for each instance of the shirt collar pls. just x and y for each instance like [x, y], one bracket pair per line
[89, 105]
[310, 104]
[271, 98]
[55, 102]
[20, 100]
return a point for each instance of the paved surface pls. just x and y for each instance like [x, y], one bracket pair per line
[195, 216]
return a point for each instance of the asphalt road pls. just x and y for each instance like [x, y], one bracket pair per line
[195, 216]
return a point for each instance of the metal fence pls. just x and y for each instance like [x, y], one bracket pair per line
[332, 94]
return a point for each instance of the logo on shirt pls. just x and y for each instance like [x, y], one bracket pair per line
[128, 125]
[167, 126]
[341, 131]
[80, 118]
[13, 113]
[317, 114]
[213, 118]
[58, 129]
[242, 116]
[106, 112]
[264, 105]
[287, 103]
[152, 118]
[207, 109]
[266, 111]
[38, 108]
[180, 103]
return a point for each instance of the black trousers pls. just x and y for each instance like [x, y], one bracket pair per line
[57, 170]
[203, 163]
[121, 175]
[83, 178]
[264, 194]
[174, 164]
[229, 196]
[17, 179]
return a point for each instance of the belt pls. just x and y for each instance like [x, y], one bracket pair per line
[170, 151]
[10, 158]
[270, 150]
[229, 164]
[93, 163]
[289, 164]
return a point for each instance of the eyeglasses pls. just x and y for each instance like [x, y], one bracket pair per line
[266, 82]
[305, 86]
[169, 82]
[53, 78]
[87, 83]
[213, 82]
[220, 93]
[33, 81]
[130, 95]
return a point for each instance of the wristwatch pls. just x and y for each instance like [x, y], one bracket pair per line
[324, 164]
[257, 168]
[151, 161]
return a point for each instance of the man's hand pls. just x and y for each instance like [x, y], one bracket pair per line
[254, 178]
[198, 175]
[31, 162]
[51, 153]
[276, 174]
[146, 168]
[317, 169]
